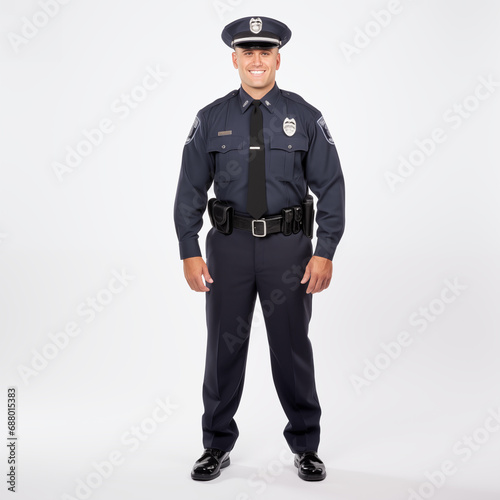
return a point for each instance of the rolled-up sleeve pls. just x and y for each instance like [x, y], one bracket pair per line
[195, 179]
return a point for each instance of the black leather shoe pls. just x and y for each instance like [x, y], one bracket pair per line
[208, 466]
[310, 466]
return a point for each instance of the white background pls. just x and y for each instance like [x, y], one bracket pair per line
[60, 241]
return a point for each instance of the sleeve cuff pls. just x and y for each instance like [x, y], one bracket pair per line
[325, 247]
[189, 248]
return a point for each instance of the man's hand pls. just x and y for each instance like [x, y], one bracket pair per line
[194, 269]
[319, 274]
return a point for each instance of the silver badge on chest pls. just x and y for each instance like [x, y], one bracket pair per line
[256, 25]
[289, 126]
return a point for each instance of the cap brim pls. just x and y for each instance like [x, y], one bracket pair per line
[255, 44]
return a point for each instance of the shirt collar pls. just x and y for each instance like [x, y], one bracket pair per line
[268, 101]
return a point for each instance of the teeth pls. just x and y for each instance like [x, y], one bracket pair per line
[257, 72]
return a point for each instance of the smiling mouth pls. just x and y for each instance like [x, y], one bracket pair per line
[257, 72]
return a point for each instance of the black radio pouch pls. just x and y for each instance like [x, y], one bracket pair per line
[221, 215]
[287, 222]
[308, 216]
[297, 219]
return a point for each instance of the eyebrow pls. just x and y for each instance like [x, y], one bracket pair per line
[253, 50]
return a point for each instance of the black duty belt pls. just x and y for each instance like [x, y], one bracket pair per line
[290, 221]
[259, 227]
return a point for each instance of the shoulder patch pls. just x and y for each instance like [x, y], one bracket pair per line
[322, 124]
[194, 129]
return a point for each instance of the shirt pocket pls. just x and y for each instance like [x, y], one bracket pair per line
[229, 152]
[286, 155]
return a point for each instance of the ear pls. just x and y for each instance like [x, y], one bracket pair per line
[235, 60]
[278, 61]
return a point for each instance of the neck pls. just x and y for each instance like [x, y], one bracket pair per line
[256, 93]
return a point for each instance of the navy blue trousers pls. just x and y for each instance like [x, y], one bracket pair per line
[242, 267]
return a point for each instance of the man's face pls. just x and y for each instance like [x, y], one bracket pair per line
[257, 67]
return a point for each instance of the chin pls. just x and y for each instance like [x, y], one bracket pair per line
[258, 85]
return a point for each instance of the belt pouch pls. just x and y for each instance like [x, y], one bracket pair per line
[308, 216]
[287, 214]
[297, 219]
[221, 215]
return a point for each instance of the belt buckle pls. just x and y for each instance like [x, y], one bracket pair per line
[263, 222]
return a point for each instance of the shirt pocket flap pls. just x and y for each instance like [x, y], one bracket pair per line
[225, 143]
[298, 142]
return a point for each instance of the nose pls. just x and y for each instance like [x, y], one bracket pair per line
[257, 59]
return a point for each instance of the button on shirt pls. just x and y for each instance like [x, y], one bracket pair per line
[299, 154]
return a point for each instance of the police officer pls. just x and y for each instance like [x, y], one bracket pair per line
[263, 148]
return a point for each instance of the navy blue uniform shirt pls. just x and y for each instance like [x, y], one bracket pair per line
[299, 152]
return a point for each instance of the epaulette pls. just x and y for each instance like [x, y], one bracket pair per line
[219, 101]
[297, 98]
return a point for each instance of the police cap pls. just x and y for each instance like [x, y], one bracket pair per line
[256, 32]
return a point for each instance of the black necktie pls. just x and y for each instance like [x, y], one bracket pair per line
[256, 200]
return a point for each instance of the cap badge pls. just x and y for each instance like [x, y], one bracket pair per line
[255, 25]
[289, 126]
